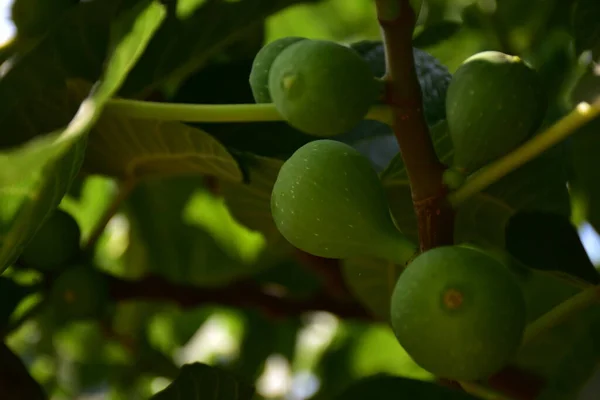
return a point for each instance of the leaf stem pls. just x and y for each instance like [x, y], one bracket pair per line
[125, 188]
[213, 112]
[561, 313]
[568, 125]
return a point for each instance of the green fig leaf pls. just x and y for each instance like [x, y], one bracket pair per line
[539, 185]
[28, 194]
[549, 242]
[585, 25]
[131, 148]
[181, 245]
[250, 202]
[200, 381]
[379, 387]
[199, 30]
[565, 355]
[585, 145]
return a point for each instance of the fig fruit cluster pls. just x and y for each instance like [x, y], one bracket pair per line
[320, 87]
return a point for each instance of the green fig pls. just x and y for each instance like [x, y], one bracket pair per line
[55, 244]
[458, 312]
[259, 74]
[494, 103]
[322, 88]
[79, 292]
[329, 202]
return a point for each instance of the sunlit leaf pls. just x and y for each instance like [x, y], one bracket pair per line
[179, 248]
[128, 148]
[30, 193]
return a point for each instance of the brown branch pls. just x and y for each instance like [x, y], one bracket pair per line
[403, 94]
[521, 385]
[246, 294]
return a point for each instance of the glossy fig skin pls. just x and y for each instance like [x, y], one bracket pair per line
[261, 66]
[322, 88]
[458, 312]
[494, 103]
[329, 202]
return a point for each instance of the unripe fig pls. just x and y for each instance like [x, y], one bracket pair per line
[458, 312]
[322, 88]
[328, 201]
[79, 292]
[55, 244]
[259, 74]
[494, 103]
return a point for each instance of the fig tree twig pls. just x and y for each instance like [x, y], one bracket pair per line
[245, 294]
[403, 94]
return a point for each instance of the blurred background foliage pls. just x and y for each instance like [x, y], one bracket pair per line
[175, 226]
